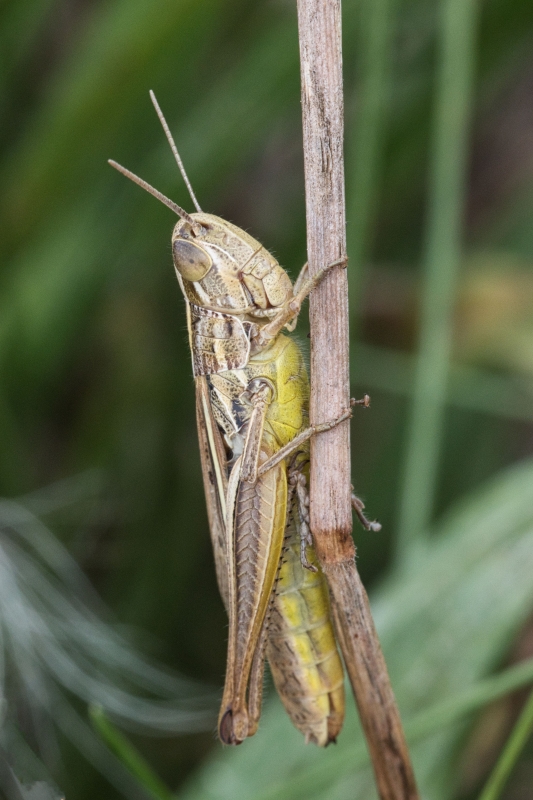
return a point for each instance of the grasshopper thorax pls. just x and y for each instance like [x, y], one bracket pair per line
[222, 268]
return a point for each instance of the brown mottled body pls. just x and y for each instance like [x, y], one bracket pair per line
[252, 404]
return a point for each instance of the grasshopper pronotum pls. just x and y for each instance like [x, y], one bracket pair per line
[252, 394]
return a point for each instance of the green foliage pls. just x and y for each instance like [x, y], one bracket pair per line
[127, 754]
[442, 260]
[94, 362]
[510, 754]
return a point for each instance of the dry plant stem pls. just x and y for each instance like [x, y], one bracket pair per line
[319, 27]
[321, 68]
[370, 683]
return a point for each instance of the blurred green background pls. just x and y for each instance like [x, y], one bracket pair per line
[97, 428]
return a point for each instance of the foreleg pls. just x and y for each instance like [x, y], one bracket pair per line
[303, 276]
[291, 308]
[259, 393]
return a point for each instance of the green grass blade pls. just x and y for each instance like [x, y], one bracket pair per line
[511, 752]
[128, 755]
[374, 39]
[442, 257]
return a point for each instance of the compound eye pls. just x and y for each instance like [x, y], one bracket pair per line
[192, 261]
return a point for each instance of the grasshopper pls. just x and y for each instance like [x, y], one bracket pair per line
[252, 397]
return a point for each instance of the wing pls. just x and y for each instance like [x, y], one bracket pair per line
[215, 475]
[246, 562]
[256, 518]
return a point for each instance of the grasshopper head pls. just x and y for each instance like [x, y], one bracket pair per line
[222, 267]
[219, 266]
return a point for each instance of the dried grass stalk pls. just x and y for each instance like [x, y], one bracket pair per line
[319, 23]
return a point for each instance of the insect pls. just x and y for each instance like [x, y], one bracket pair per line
[252, 395]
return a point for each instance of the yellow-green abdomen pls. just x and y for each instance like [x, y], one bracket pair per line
[283, 364]
[302, 650]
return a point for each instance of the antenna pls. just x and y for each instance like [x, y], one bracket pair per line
[169, 203]
[174, 150]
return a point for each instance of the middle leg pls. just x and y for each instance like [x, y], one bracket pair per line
[302, 437]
